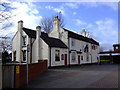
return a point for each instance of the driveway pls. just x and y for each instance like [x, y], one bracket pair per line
[84, 76]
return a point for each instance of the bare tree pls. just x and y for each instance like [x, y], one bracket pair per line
[47, 23]
[5, 44]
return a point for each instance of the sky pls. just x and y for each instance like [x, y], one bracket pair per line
[100, 19]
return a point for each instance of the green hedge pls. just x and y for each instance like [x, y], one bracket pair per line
[104, 60]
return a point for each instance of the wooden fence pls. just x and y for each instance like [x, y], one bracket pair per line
[8, 76]
[14, 76]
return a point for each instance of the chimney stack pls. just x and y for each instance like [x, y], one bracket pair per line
[38, 43]
[56, 22]
[38, 31]
[84, 33]
[20, 26]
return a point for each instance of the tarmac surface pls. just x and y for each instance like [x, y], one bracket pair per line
[0, 76]
[84, 76]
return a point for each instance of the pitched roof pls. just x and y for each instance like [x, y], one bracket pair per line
[30, 33]
[80, 37]
[52, 42]
[116, 45]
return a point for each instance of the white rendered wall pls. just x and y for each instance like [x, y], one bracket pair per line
[80, 45]
[62, 34]
[15, 45]
[45, 51]
[61, 62]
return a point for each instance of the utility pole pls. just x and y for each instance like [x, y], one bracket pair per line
[27, 76]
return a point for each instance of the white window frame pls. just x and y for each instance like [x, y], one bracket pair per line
[73, 56]
[58, 55]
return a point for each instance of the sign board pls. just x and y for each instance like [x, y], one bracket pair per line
[17, 69]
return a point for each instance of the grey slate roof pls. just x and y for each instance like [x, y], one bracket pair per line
[116, 45]
[80, 37]
[52, 42]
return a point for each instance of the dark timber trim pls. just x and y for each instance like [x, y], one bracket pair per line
[50, 57]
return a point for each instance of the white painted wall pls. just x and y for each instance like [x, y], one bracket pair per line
[45, 51]
[34, 51]
[54, 33]
[61, 62]
[15, 46]
[95, 54]
[62, 34]
[80, 45]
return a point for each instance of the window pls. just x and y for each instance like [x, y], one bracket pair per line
[94, 47]
[73, 42]
[24, 55]
[14, 55]
[62, 57]
[87, 58]
[86, 49]
[24, 40]
[57, 55]
[81, 57]
[73, 56]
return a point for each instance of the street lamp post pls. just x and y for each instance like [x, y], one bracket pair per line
[28, 49]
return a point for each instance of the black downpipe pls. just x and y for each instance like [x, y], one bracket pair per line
[50, 57]
[31, 50]
[69, 50]
[91, 53]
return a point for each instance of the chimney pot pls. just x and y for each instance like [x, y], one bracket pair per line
[20, 21]
[38, 27]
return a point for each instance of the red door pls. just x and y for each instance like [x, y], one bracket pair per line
[78, 59]
[65, 60]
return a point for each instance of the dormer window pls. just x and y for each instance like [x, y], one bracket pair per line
[24, 40]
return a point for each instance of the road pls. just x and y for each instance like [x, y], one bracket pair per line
[84, 76]
[0, 76]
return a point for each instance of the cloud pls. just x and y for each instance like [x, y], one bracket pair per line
[74, 13]
[107, 27]
[72, 5]
[75, 5]
[104, 30]
[60, 9]
[79, 22]
[23, 11]
[113, 5]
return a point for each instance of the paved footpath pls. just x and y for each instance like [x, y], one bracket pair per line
[84, 76]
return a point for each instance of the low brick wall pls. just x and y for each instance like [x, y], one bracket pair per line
[34, 70]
